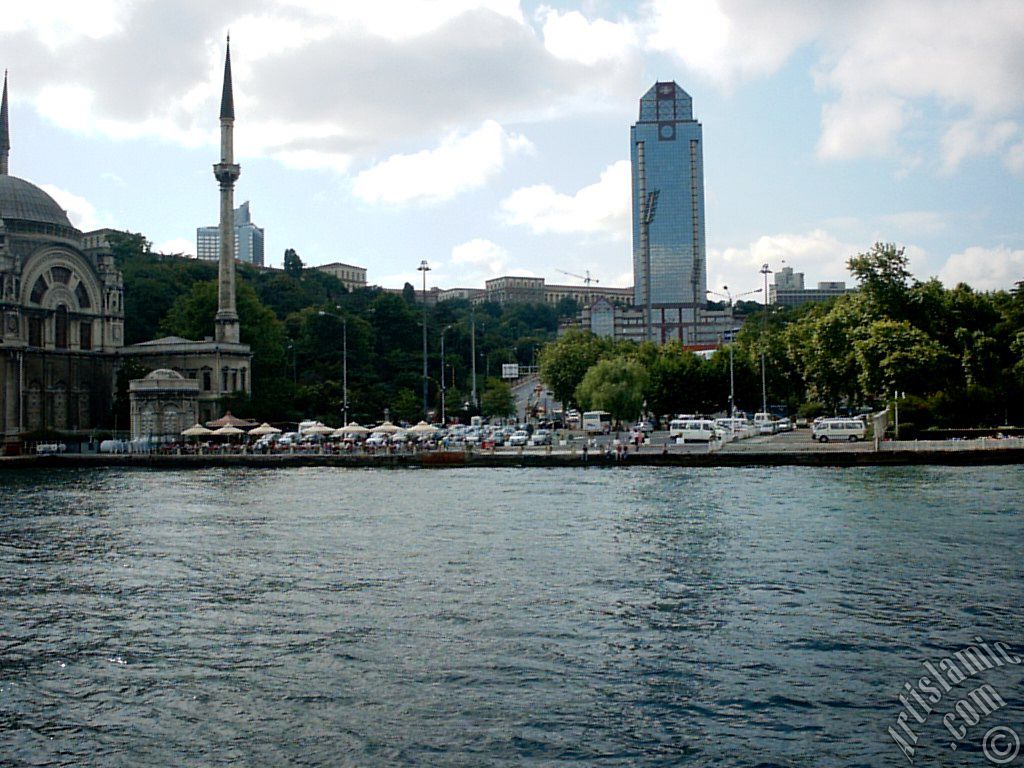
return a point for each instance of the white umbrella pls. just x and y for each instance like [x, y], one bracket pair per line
[228, 430]
[387, 428]
[264, 429]
[197, 431]
[319, 429]
[352, 429]
[423, 429]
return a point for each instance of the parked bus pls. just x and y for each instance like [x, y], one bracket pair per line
[597, 422]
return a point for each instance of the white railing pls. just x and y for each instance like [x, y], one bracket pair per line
[979, 444]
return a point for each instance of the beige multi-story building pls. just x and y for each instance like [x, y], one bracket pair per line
[352, 277]
[788, 289]
[512, 289]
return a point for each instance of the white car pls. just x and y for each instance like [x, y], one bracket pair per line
[541, 437]
[519, 438]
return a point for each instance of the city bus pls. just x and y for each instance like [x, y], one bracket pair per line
[597, 422]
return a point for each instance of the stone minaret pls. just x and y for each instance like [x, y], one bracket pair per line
[227, 172]
[5, 133]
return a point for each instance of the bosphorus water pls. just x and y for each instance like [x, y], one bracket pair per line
[321, 617]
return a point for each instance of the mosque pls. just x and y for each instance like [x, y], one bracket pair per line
[62, 317]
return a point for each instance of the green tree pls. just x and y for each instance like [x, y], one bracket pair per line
[497, 399]
[292, 263]
[616, 385]
[883, 277]
[564, 363]
[893, 354]
[192, 317]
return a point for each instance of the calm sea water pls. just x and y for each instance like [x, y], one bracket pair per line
[491, 617]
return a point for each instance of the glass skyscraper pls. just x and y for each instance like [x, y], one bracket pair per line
[248, 239]
[668, 213]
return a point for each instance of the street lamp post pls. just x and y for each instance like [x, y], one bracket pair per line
[344, 363]
[732, 379]
[764, 341]
[443, 418]
[424, 268]
[472, 353]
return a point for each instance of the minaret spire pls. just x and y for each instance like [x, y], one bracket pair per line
[5, 131]
[227, 172]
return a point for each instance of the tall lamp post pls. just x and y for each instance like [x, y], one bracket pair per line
[344, 363]
[732, 379]
[764, 341]
[424, 268]
[443, 418]
[472, 353]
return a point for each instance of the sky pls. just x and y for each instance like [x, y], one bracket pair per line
[491, 137]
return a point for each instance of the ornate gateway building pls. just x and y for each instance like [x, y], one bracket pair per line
[61, 313]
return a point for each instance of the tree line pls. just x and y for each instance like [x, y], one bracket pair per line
[294, 321]
[954, 357]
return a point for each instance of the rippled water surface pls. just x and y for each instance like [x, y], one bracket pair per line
[496, 617]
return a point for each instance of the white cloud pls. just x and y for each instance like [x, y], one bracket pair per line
[731, 39]
[401, 19]
[917, 223]
[600, 207]
[176, 245]
[818, 254]
[571, 36]
[480, 252]
[984, 269]
[881, 63]
[81, 212]
[858, 125]
[912, 55]
[461, 162]
[59, 22]
[967, 138]
[1015, 158]
[475, 261]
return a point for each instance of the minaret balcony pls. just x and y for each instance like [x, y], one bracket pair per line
[227, 173]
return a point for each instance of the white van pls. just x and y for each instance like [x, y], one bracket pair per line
[839, 429]
[698, 431]
[739, 428]
[597, 422]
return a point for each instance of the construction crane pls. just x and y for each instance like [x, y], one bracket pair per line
[586, 280]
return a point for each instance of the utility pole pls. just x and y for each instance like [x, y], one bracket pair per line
[764, 341]
[472, 348]
[443, 416]
[344, 362]
[732, 381]
[424, 268]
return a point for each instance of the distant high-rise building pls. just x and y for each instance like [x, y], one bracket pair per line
[669, 257]
[248, 239]
[789, 291]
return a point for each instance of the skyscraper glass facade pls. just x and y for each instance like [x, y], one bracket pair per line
[668, 193]
[248, 239]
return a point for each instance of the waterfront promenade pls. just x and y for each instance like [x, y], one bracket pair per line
[794, 449]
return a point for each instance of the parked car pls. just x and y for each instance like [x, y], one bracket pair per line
[376, 440]
[644, 426]
[541, 437]
[519, 438]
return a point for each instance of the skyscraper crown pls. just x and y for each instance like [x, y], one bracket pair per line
[666, 102]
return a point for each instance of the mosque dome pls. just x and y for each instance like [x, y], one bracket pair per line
[25, 202]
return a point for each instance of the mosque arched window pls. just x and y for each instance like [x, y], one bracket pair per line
[39, 290]
[60, 329]
[83, 296]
